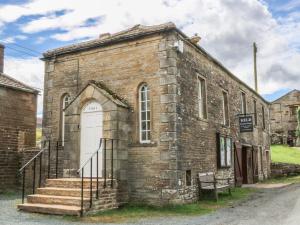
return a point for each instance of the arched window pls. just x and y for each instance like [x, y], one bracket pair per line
[65, 102]
[144, 114]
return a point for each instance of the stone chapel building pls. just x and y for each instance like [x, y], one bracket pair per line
[173, 108]
[18, 105]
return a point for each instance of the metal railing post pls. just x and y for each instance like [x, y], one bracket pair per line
[91, 184]
[33, 183]
[23, 187]
[97, 180]
[104, 184]
[40, 179]
[82, 174]
[112, 163]
[49, 155]
[56, 163]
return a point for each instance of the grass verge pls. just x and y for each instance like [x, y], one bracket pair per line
[139, 211]
[285, 154]
[290, 179]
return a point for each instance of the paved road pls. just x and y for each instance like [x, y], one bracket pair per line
[267, 207]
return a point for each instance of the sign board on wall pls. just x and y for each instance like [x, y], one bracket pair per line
[246, 123]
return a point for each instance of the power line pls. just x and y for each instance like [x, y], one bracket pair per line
[21, 51]
[21, 46]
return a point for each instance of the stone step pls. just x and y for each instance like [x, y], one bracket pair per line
[76, 183]
[50, 209]
[72, 192]
[57, 200]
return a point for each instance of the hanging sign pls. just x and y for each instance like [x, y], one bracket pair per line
[246, 123]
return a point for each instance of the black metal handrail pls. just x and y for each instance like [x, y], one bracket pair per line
[81, 169]
[34, 159]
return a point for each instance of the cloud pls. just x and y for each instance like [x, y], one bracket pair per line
[228, 29]
[30, 71]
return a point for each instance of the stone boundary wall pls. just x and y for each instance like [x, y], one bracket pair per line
[284, 169]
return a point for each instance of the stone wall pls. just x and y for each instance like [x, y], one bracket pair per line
[284, 169]
[283, 117]
[17, 131]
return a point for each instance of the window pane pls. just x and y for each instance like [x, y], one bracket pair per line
[143, 106]
[148, 115]
[143, 115]
[144, 135]
[228, 151]
[149, 135]
[148, 125]
[144, 125]
[222, 151]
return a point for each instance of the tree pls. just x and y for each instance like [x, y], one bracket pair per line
[298, 127]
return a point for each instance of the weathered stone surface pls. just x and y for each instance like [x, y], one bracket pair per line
[283, 118]
[17, 132]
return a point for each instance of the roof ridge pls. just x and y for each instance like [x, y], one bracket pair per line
[140, 29]
[285, 94]
[25, 86]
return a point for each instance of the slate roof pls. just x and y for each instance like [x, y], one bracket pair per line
[134, 32]
[7, 81]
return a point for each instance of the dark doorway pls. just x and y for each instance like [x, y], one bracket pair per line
[244, 165]
[238, 170]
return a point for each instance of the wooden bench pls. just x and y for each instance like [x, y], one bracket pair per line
[208, 182]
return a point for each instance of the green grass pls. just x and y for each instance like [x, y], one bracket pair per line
[285, 154]
[38, 134]
[138, 211]
[277, 180]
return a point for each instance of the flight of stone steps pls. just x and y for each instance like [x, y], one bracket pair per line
[63, 197]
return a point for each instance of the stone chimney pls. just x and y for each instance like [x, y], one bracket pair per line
[104, 35]
[1, 58]
[195, 39]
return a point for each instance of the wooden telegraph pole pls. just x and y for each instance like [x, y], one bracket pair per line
[255, 68]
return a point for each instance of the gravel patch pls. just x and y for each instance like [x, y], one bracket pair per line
[278, 206]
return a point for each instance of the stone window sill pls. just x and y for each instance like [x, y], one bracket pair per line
[143, 144]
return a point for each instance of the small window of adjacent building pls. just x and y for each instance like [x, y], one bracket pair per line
[243, 103]
[144, 117]
[225, 109]
[188, 177]
[263, 117]
[202, 98]
[255, 112]
[224, 149]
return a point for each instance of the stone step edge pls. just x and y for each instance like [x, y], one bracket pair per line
[50, 209]
[58, 197]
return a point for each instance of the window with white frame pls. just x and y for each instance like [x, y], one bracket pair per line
[65, 102]
[202, 98]
[225, 109]
[144, 107]
[224, 151]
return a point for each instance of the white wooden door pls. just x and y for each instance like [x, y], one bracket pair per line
[91, 132]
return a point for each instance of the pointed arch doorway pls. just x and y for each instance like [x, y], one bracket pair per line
[91, 131]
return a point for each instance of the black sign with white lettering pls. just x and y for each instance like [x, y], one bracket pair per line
[246, 124]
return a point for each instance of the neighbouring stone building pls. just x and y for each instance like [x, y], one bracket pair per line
[18, 105]
[283, 117]
[173, 108]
